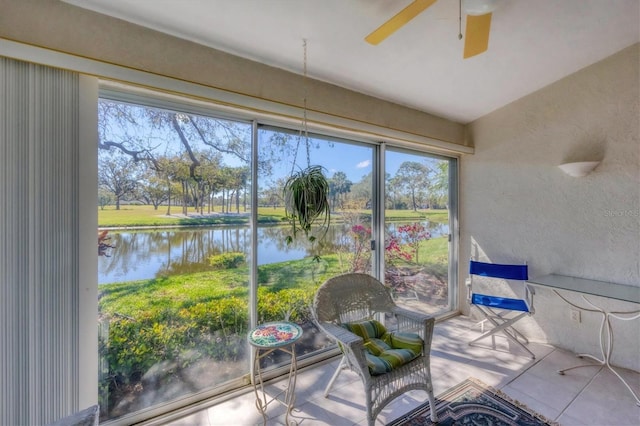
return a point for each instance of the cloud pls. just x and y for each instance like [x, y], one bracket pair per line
[363, 164]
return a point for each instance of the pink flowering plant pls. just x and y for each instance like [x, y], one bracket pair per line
[360, 236]
[413, 235]
[401, 250]
[401, 246]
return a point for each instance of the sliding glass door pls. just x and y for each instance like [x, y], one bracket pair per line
[418, 229]
[196, 247]
[174, 241]
[292, 266]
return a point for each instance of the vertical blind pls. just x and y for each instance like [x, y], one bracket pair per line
[39, 234]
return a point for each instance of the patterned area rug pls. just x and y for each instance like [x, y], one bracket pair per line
[474, 403]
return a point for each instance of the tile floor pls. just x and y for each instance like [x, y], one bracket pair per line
[585, 396]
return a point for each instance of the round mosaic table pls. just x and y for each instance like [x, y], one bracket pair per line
[265, 339]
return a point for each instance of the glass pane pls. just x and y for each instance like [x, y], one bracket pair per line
[290, 273]
[417, 230]
[173, 270]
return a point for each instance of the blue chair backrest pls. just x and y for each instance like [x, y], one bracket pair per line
[495, 270]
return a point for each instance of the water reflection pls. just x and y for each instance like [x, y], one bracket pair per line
[149, 254]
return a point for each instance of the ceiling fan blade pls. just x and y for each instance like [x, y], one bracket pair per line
[476, 39]
[395, 23]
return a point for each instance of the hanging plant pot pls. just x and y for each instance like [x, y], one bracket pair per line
[306, 196]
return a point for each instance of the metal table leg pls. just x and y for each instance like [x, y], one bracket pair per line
[606, 339]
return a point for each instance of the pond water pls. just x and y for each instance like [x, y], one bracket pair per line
[146, 254]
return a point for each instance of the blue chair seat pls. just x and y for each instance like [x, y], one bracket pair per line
[499, 302]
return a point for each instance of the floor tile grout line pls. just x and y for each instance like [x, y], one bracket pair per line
[534, 363]
[581, 391]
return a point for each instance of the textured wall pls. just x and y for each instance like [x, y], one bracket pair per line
[59, 26]
[517, 205]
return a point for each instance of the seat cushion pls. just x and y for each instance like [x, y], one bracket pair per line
[397, 357]
[385, 350]
[368, 329]
[410, 341]
[376, 364]
[376, 346]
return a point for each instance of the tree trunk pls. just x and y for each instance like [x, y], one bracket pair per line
[169, 202]
[185, 201]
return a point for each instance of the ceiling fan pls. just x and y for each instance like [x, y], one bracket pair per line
[476, 38]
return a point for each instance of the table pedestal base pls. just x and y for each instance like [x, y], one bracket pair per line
[262, 399]
[266, 339]
[606, 339]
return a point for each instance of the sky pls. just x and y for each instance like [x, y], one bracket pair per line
[354, 159]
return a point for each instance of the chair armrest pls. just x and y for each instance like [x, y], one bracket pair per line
[417, 317]
[351, 344]
[411, 320]
[341, 334]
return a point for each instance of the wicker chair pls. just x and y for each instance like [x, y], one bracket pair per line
[354, 297]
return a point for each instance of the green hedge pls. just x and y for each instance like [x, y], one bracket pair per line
[210, 328]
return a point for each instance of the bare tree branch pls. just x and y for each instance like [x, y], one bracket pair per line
[194, 161]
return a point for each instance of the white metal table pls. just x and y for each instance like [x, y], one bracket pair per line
[608, 290]
[265, 339]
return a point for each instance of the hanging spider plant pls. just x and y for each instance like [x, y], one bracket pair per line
[306, 192]
[306, 195]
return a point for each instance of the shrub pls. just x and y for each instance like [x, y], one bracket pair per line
[288, 304]
[156, 339]
[227, 260]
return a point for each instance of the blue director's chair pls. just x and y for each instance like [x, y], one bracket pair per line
[501, 312]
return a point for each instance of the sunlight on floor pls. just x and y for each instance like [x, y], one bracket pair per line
[586, 396]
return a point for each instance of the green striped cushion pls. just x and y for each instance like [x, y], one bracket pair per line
[366, 329]
[377, 365]
[376, 346]
[385, 351]
[397, 357]
[410, 341]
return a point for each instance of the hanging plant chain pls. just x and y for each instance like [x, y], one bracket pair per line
[306, 192]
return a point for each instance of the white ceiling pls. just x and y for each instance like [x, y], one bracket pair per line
[532, 44]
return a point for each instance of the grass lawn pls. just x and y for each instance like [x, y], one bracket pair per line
[166, 297]
[435, 250]
[145, 215]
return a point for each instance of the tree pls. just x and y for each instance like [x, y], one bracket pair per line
[143, 133]
[413, 177]
[178, 174]
[235, 180]
[394, 191]
[104, 197]
[148, 135]
[360, 196]
[440, 184]
[209, 178]
[167, 170]
[272, 194]
[117, 174]
[152, 189]
[338, 185]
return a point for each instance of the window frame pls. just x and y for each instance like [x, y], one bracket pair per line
[136, 96]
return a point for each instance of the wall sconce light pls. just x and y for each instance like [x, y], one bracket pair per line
[478, 7]
[578, 169]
